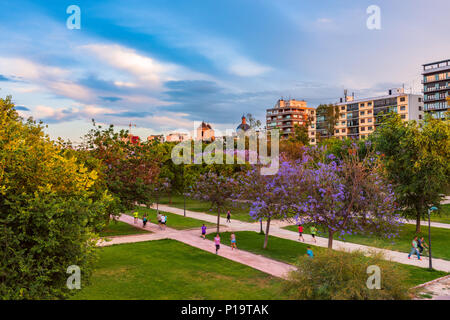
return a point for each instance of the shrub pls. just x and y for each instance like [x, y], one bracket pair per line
[340, 275]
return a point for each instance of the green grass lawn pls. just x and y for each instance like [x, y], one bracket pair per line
[168, 269]
[288, 251]
[442, 215]
[440, 239]
[119, 228]
[174, 221]
[240, 212]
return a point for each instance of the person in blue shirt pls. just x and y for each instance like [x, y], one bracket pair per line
[309, 252]
[204, 232]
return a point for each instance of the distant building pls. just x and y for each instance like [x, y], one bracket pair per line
[243, 126]
[157, 137]
[359, 118]
[436, 87]
[288, 113]
[132, 138]
[177, 137]
[205, 132]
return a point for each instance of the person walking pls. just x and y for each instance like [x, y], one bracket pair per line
[300, 233]
[309, 252]
[204, 232]
[229, 216]
[233, 241]
[144, 219]
[163, 222]
[217, 243]
[313, 233]
[414, 249]
[421, 244]
[158, 216]
[136, 216]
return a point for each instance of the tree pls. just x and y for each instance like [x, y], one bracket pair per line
[252, 122]
[327, 117]
[416, 156]
[131, 169]
[47, 211]
[348, 195]
[215, 189]
[269, 194]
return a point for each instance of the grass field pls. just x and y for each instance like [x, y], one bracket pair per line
[440, 239]
[174, 221]
[443, 215]
[238, 213]
[288, 251]
[168, 269]
[119, 228]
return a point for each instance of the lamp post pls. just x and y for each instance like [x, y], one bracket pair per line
[429, 235]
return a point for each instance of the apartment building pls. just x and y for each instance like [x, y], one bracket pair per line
[287, 113]
[436, 87]
[177, 137]
[359, 118]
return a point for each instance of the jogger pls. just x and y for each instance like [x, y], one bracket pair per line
[136, 216]
[204, 232]
[300, 233]
[217, 243]
[228, 216]
[313, 233]
[233, 241]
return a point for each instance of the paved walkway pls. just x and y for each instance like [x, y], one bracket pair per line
[192, 238]
[276, 230]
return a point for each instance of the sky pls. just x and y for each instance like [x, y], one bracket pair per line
[163, 65]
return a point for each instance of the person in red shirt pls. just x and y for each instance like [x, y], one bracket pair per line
[300, 233]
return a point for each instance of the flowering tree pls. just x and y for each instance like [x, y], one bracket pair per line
[270, 195]
[216, 189]
[347, 196]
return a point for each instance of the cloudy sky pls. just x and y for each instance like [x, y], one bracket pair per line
[163, 64]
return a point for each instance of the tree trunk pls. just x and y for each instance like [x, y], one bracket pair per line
[170, 196]
[418, 222]
[260, 225]
[330, 239]
[218, 220]
[266, 237]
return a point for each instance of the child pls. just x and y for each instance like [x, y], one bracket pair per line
[217, 243]
[300, 233]
[136, 216]
[233, 241]
[313, 233]
[204, 232]
[309, 252]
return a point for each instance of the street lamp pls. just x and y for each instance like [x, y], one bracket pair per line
[429, 234]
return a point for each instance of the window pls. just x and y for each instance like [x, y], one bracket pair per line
[362, 113]
[369, 128]
[402, 99]
[369, 112]
[337, 131]
[420, 117]
[363, 128]
[362, 121]
[403, 116]
[369, 104]
[369, 120]
[420, 108]
[402, 108]
[312, 140]
[343, 108]
[420, 99]
[343, 130]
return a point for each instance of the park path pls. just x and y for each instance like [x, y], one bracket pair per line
[192, 238]
[277, 231]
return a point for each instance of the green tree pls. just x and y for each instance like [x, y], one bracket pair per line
[327, 117]
[47, 211]
[417, 160]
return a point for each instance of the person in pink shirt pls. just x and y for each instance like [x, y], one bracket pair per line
[300, 233]
[217, 243]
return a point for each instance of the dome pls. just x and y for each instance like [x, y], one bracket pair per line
[243, 126]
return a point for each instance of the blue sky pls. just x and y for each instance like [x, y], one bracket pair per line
[163, 64]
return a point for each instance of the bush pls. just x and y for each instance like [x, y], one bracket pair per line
[48, 211]
[340, 275]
